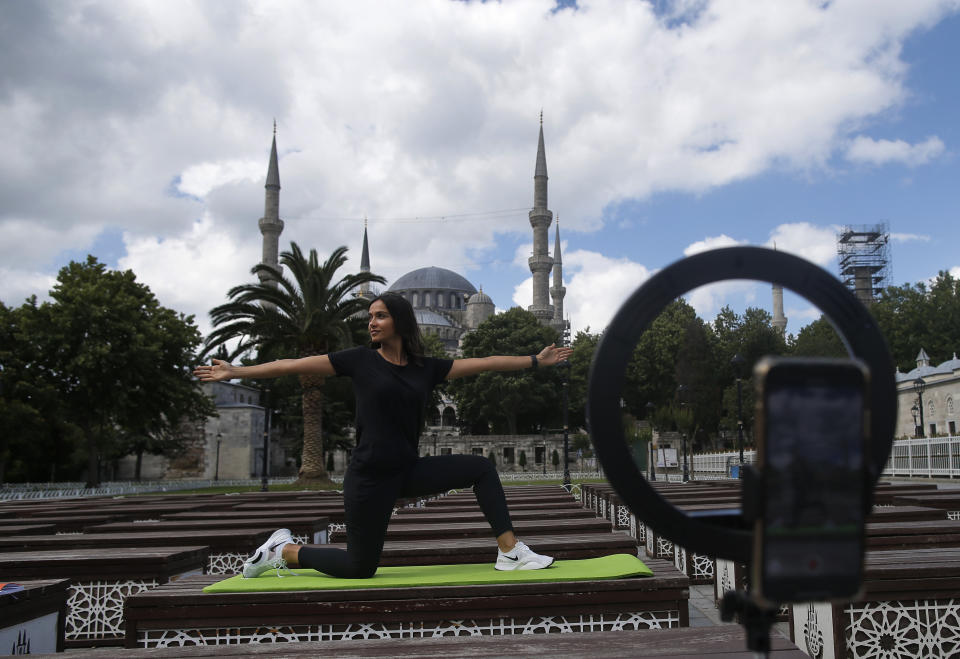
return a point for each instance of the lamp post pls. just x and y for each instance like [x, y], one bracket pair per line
[216, 472]
[653, 471]
[681, 396]
[264, 481]
[919, 386]
[914, 410]
[564, 339]
[737, 362]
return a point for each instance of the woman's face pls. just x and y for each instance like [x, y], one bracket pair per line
[380, 322]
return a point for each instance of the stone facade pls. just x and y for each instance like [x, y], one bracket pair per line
[941, 396]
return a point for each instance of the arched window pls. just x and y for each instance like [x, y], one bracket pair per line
[441, 302]
[435, 417]
[454, 301]
[449, 417]
[950, 405]
[416, 299]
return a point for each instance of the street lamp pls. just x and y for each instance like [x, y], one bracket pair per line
[919, 386]
[681, 396]
[216, 473]
[914, 411]
[566, 410]
[264, 481]
[737, 362]
[653, 470]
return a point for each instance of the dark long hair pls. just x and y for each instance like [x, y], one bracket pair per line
[404, 324]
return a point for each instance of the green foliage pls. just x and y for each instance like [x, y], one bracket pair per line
[522, 461]
[917, 316]
[555, 459]
[818, 339]
[509, 402]
[584, 345]
[492, 458]
[105, 361]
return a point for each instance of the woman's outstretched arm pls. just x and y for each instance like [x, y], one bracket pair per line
[221, 370]
[547, 357]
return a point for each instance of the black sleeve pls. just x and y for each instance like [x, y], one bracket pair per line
[439, 369]
[346, 362]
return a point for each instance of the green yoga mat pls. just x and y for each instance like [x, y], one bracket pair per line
[606, 567]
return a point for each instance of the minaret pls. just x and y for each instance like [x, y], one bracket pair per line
[270, 224]
[365, 262]
[540, 218]
[558, 290]
[779, 320]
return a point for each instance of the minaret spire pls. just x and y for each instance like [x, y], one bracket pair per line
[365, 261]
[540, 218]
[779, 320]
[270, 224]
[558, 290]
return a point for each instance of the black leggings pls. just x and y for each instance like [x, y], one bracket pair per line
[368, 500]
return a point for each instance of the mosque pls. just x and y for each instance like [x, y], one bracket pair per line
[446, 304]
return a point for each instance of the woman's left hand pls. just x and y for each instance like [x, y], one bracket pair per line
[553, 355]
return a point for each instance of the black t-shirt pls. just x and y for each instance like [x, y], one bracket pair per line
[391, 401]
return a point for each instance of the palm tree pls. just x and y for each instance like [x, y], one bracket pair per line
[308, 314]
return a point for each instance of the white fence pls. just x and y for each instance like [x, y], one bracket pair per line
[933, 457]
[14, 492]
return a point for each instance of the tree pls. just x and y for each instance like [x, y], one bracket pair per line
[555, 459]
[120, 363]
[651, 374]
[917, 316]
[818, 339]
[584, 345]
[509, 402]
[311, 313]
[522, 461]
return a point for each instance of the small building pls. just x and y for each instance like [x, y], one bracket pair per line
[938, 387]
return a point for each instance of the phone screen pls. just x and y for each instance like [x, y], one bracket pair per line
[813, 474]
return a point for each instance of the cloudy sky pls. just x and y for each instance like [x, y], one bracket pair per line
[139, 132]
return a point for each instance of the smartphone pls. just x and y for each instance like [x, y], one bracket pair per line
[812, 425]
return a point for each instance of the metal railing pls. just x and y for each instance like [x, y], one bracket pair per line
[27, 491]
[932, 457]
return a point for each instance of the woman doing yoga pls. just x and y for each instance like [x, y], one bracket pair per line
[392, 382]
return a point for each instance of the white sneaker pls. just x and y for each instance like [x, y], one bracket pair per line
[521, 557]
[268, 555]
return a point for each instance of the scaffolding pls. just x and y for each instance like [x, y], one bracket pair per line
[864, 261]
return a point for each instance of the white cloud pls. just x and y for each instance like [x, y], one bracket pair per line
[393, 109]
[817, 244]
[597, 286]
[909, 237]
[715, 242]
[869, 151]
[17, 285]
[191, 272]
[198, 180]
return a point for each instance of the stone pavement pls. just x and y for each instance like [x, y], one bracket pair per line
[704, 613]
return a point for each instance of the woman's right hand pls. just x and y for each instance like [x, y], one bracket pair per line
[220, 370]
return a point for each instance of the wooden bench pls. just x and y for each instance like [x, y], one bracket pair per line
[64, 524]
[228, 548]
[101, 580]
[305, 529]
[32, 620]
[722, 642]
[179, 614]
[909, 609]
[481, 529]
[449, 551]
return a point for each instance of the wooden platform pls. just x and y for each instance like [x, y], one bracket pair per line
[32, 620]
[100, 580]
[725, 642]
[180, 614]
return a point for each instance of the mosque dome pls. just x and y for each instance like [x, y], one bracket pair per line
[432, 278]
[480, 298]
